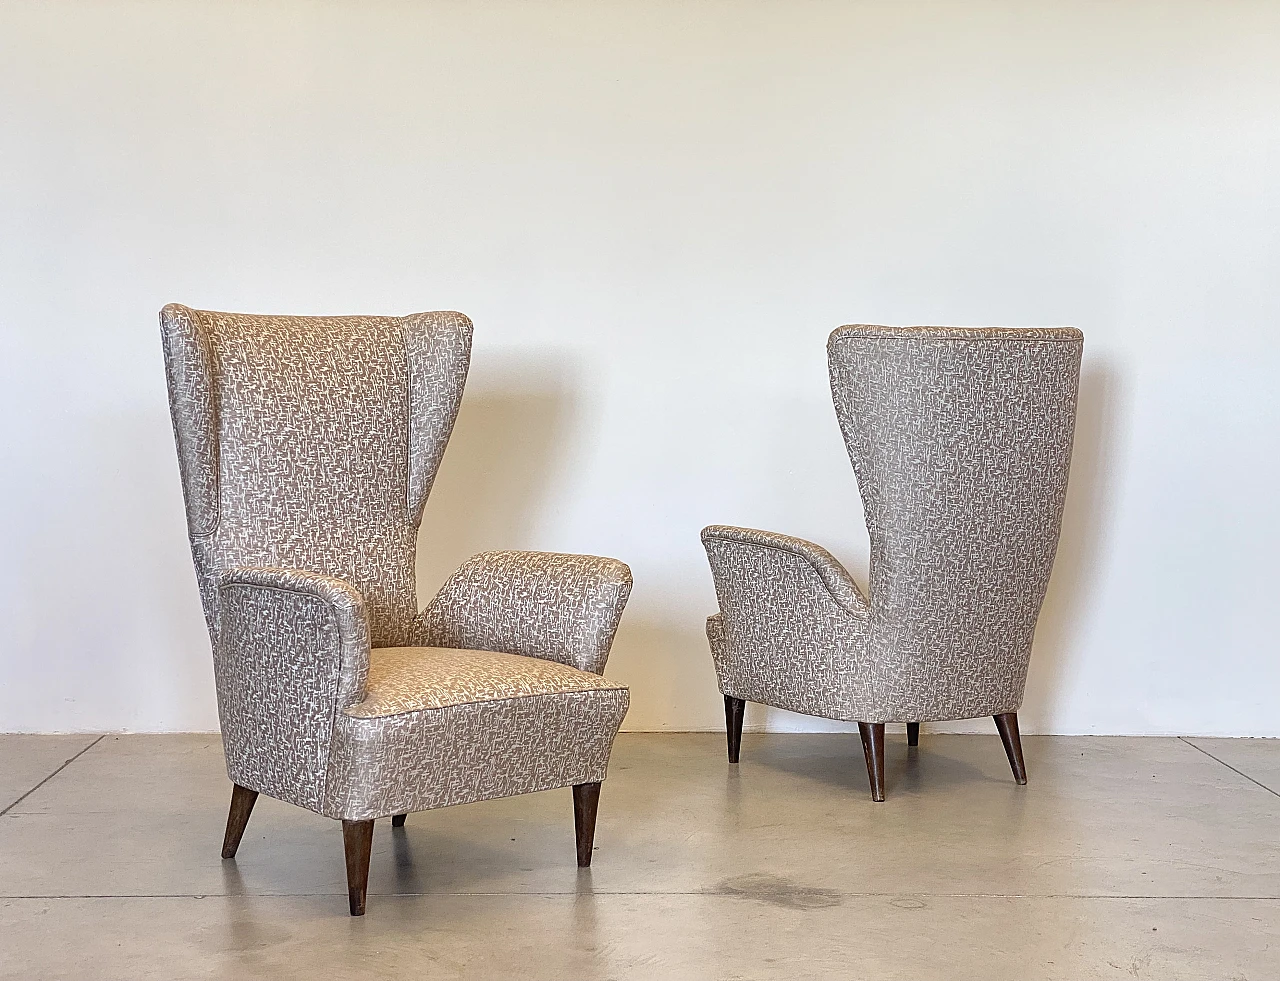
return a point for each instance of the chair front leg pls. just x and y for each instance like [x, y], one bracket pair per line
[913, 733]
[357, 841]
[586, 800]
[872, 734]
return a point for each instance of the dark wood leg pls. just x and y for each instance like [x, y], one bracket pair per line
[242, 801]
[1008, 726]
[733, 709]
[398, 820]
[913, 733]
[357, 840]
[586, 798]
[873, 749]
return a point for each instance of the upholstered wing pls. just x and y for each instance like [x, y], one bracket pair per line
[311, 443]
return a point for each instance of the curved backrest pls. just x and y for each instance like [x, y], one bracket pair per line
[311, 443]
[961, 442]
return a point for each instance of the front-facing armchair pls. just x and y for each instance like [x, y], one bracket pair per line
[961, 443]
[307, 448]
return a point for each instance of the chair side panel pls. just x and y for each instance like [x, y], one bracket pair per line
[787, 641]
[278, 669]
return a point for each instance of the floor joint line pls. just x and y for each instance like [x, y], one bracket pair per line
[65, 764]
[1229, 766]
[696, 893]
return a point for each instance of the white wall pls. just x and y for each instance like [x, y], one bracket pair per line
[654, 212]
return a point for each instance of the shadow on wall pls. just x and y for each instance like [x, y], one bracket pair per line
[1076, 570]
[666, 663]
[507, 447]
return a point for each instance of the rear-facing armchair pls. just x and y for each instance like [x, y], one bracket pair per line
[961, 443]
[307, 447]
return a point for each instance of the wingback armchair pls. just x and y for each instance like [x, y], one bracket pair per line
[307, 448]
[961, 443]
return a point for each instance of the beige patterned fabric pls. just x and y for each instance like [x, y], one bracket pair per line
[465, 725]
[961, 442]
[561, 607]
[470, 752]
[414, 679]
[293, 648]
[311, 443]
[307, 448]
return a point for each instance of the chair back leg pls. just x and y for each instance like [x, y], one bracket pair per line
[1008, 726]
[242, 801]
[733, 711]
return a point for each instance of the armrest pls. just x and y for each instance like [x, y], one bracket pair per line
[293, 611]
[559, 607]
[722, 541]
[292, 650]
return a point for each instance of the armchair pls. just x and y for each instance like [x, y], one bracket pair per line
[307, 447]
[960, 440]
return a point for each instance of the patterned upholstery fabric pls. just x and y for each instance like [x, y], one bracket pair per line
[961, 442]
[293, 648]
[562, 607]
[440, 726]
[417, 679]
[307, 448]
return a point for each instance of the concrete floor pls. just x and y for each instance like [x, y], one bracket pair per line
[1123, 858]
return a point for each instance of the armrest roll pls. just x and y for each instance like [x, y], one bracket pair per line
[828, 570]
[564, 608]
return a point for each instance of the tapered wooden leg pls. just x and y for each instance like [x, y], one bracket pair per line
[586, 799]
[1008, 726]
[242, 801]
[913, 733]
[733, 709]
[398, 820]
[873, 749]
[357, 841]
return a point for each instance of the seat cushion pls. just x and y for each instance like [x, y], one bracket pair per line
[440, 726]
[410, 679]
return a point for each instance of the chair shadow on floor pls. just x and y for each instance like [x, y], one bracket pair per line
[458, 850]
[835, 759]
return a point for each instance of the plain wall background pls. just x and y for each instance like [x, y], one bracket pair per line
[654, 212]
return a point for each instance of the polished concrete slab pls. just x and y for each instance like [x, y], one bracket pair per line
[671, 938]
[1122, 858]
